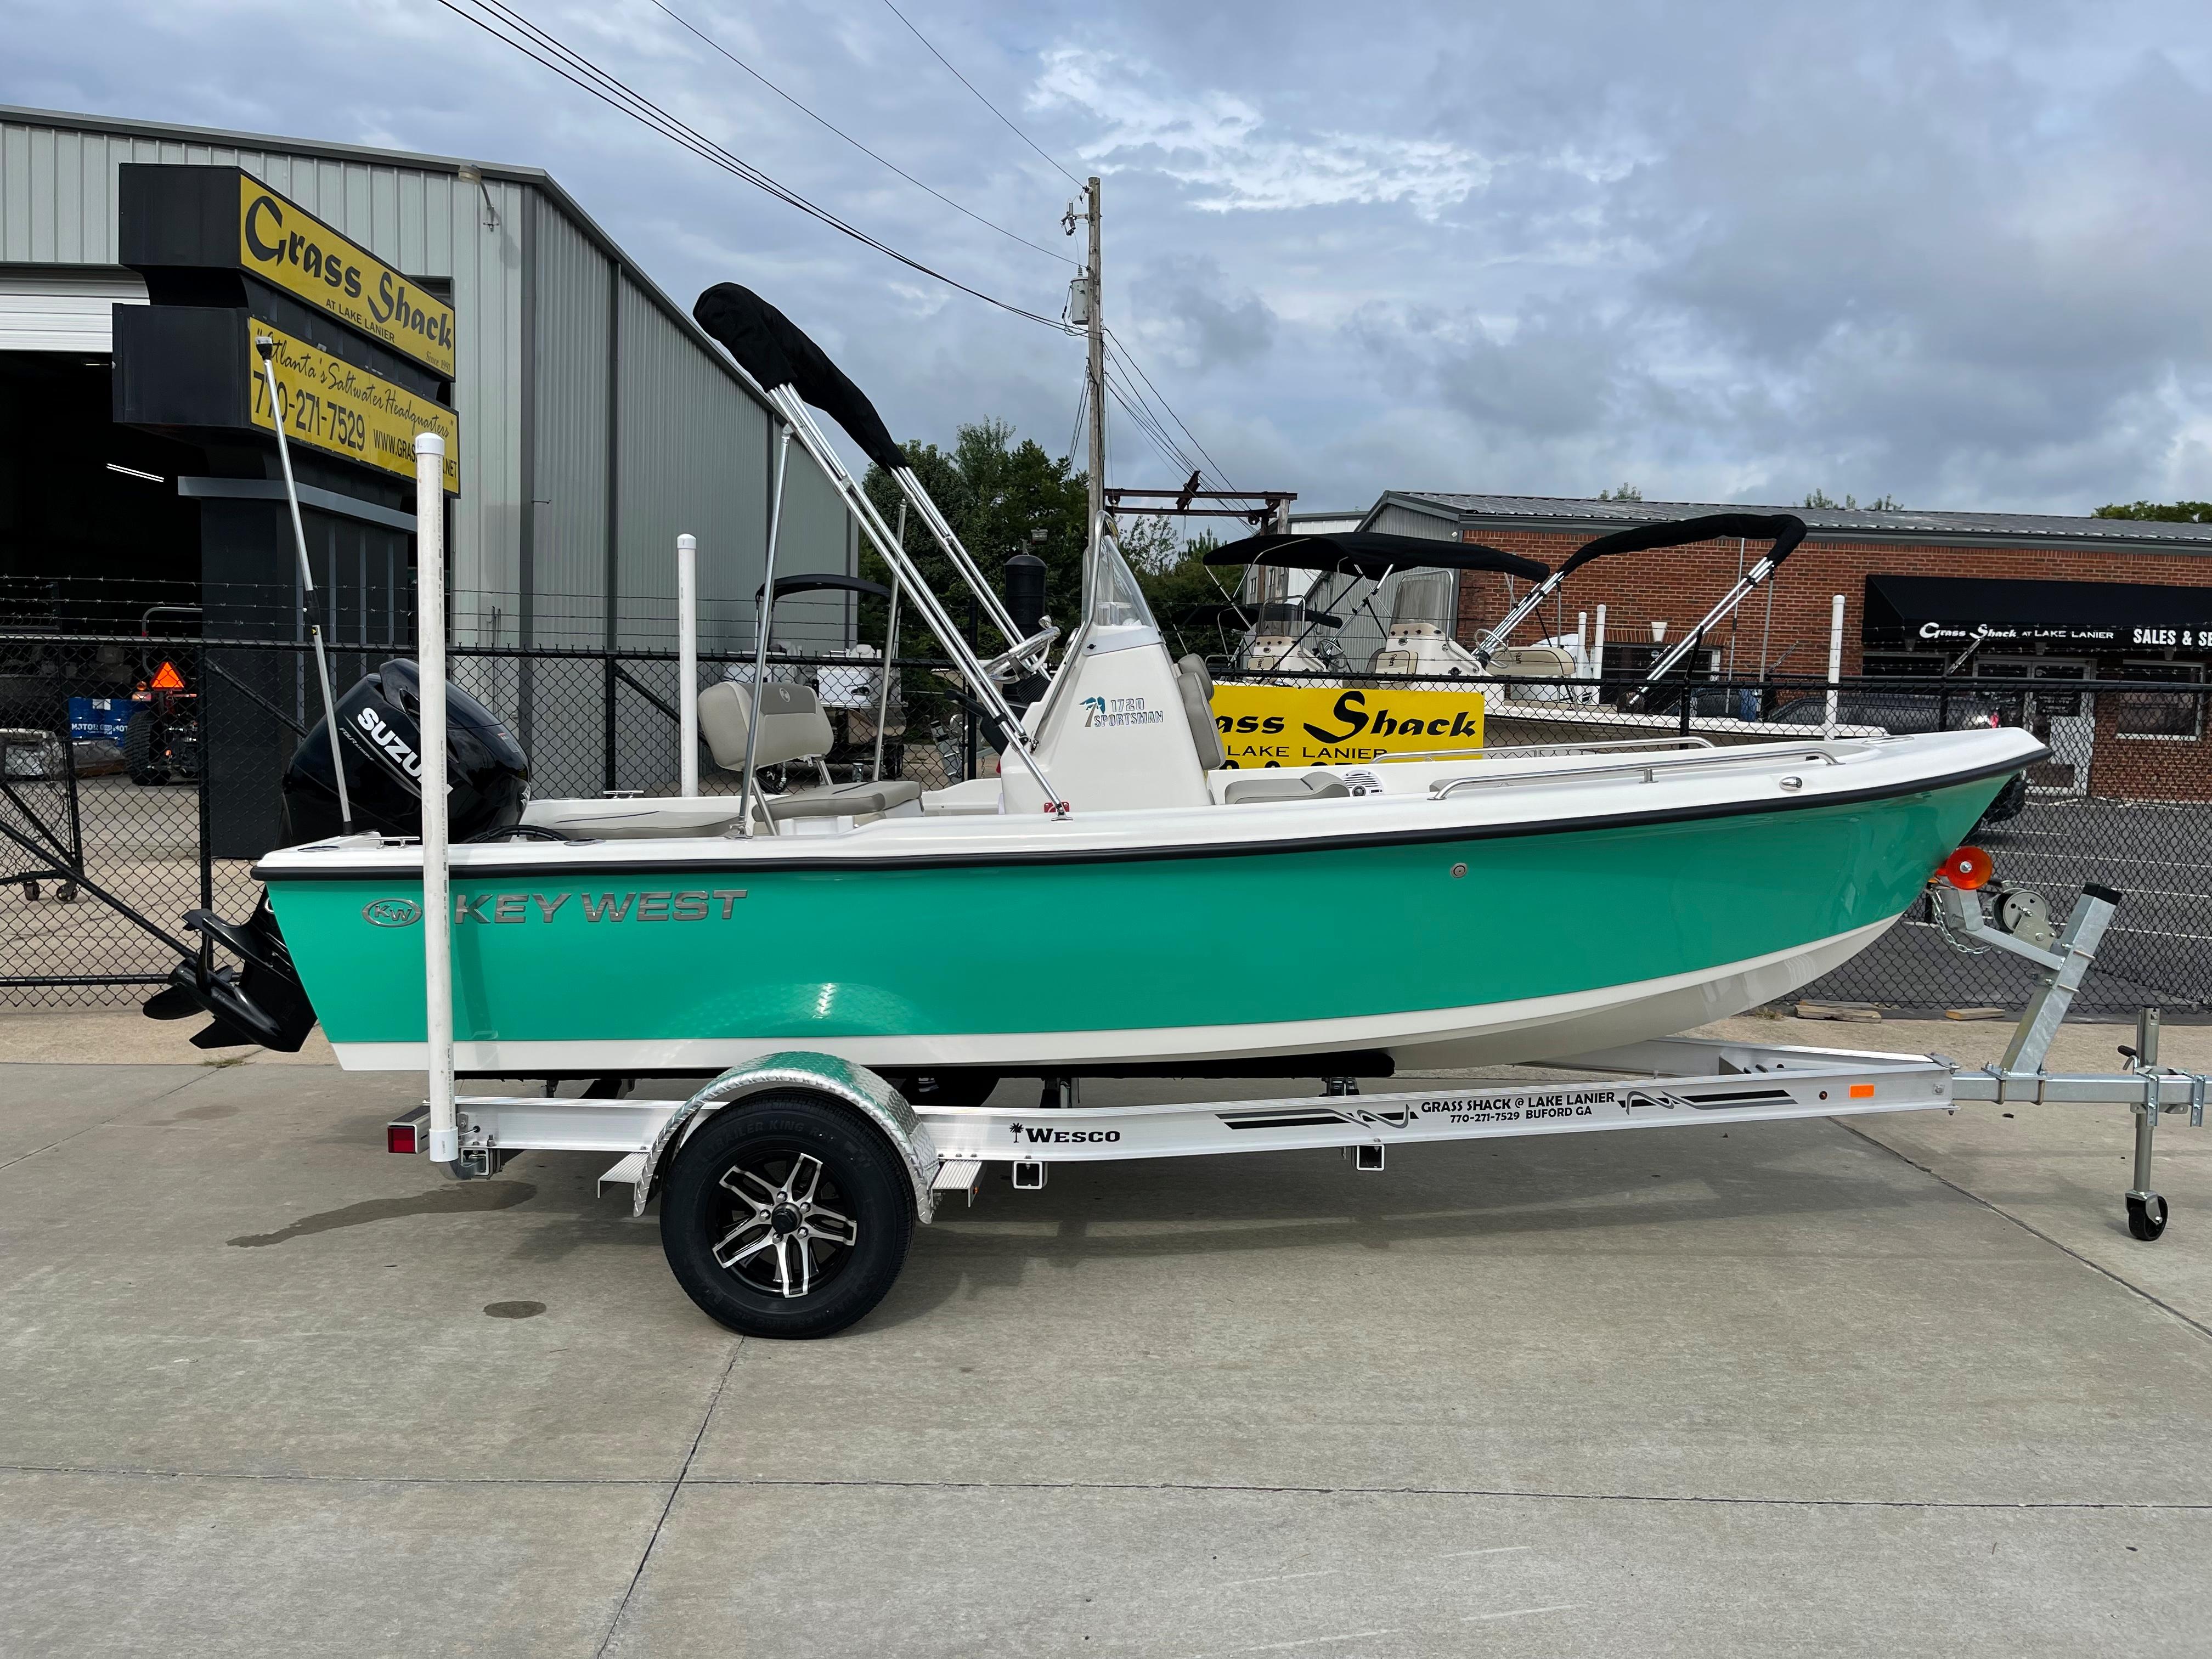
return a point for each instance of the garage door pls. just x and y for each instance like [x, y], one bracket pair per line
[62, 308]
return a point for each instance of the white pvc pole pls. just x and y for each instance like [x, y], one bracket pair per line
[437, 889]
[687, 665]
[1835, 660]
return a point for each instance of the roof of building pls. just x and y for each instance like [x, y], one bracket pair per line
[1904, 524]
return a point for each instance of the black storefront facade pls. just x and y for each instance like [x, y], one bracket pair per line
[364, 357]
[2061, 652]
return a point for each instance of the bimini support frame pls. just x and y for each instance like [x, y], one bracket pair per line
[799, 422]
[890, 654]
[1783, 530]
[765, 610]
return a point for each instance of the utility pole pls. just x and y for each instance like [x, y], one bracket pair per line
[1098, 381]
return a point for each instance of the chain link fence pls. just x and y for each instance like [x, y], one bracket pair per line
[125, 788]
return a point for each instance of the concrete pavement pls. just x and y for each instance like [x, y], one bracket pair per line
[1903, 1385]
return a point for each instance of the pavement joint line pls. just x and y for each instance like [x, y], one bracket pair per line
[1196, 1488]
[102, 1123]
[2031, 1229]
[675, 1486]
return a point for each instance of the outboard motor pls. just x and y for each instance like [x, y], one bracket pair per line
[381, 738]
[379, 719]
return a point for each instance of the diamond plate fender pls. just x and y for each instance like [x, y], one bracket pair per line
[855, 1085]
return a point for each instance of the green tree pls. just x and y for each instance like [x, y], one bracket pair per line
[1627, 492]
[996, 492]
[2163, 511]
[1851, 503]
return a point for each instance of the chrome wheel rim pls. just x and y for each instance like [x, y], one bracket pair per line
[785, 1230]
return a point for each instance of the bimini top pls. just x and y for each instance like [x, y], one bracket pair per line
[1784, 530]
[776, 352]
[1373, 554]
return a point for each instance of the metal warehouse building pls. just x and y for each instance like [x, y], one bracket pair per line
[596, 421]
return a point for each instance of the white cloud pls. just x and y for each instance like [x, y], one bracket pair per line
[1213, 141]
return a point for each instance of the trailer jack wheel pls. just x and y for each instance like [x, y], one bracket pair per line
[788, 1216]
[2146, 1215]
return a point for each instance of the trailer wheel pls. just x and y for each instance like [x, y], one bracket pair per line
[788, 1216]
[2146, 1215]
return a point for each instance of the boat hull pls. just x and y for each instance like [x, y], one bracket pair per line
[1496, 947]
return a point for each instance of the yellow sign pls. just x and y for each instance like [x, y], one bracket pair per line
[333, 406]
[1304, 726]
[282, 242]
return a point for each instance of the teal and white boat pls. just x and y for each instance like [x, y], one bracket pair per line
[1534, 907]
[1500, 907]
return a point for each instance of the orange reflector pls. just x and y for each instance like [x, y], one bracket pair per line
[1863, 1091]
[167, 679]
[1967, 869]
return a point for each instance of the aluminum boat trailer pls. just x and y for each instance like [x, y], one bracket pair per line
[791, 1185]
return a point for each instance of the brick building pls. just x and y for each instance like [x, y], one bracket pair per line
[2033, 601]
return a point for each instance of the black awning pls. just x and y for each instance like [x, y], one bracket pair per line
[1953, 611]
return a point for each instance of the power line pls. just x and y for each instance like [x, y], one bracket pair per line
[1147, 423]
[819, 120]
[1129, 358]
[979, 98]
[574, 67]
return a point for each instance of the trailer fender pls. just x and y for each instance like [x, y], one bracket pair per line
[855, 1085]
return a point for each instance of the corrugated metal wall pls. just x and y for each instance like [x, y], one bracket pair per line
[568, 480]
[694, 460]
[692, 446]
[1363, 627]
[58, 193]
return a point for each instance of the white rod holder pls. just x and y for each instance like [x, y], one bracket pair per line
[437, 886]
[1835, 661]
[687, 665]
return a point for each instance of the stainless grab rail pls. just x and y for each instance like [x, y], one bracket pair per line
[1443, 787]
[1591, 746]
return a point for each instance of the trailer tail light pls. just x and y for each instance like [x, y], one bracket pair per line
[404, 1135]
[1968, 869]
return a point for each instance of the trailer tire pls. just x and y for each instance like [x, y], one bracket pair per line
[786, 1216]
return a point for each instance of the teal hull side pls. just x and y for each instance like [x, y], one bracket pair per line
[1120, 945]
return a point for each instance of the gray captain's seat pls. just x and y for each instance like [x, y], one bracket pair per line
[793, 728]
[1273, 785]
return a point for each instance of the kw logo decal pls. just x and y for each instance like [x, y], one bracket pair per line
[392, 913]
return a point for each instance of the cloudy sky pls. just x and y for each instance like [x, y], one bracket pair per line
[1736, 250]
